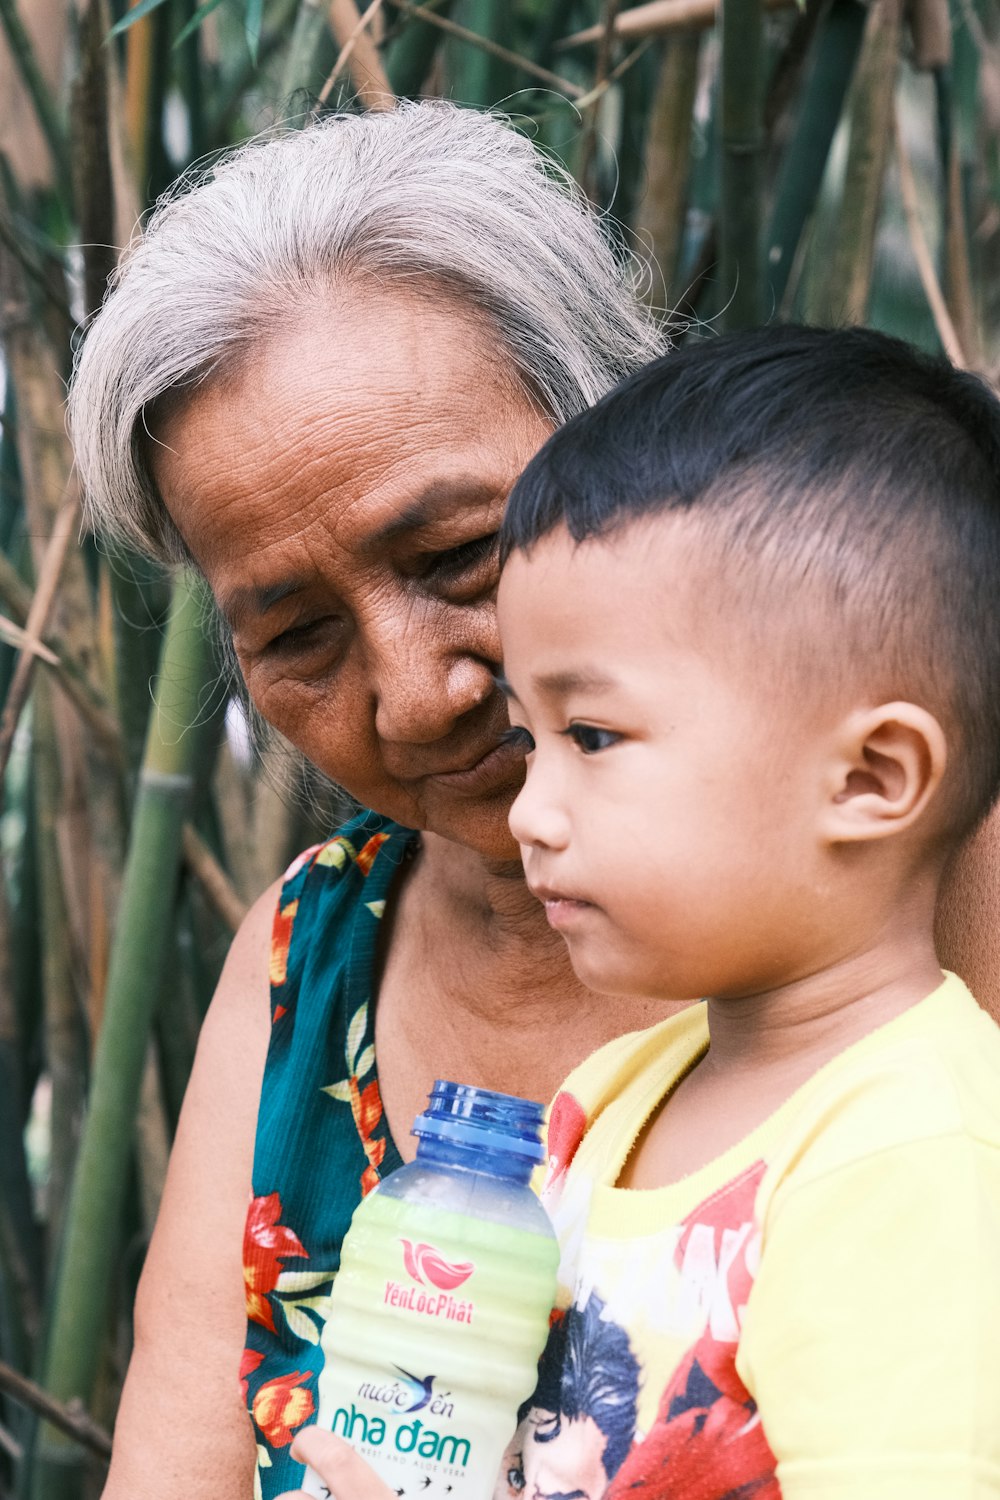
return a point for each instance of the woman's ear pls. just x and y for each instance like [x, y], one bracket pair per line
[889, 764]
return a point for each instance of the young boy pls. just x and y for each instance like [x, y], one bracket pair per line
[751, 630]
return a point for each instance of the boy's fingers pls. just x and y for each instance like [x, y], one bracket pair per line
[345, 1472]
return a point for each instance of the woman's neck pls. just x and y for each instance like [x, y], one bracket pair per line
[476, 986]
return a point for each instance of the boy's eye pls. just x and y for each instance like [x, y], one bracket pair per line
[590, 739]
[519, 736]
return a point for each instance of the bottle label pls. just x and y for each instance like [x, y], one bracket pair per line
[437, 1322]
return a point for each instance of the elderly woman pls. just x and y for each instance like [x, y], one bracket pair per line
[316, 380]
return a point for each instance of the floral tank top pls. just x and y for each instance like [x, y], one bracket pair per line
[322, 1138]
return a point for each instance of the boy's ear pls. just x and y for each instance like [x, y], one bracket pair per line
[889, 764]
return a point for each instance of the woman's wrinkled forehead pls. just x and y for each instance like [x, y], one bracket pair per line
[364, 416]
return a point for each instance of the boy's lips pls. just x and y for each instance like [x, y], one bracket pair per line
[561, 908]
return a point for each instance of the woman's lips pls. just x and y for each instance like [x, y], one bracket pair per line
[503, 765]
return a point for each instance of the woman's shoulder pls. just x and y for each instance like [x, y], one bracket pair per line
[331, 887]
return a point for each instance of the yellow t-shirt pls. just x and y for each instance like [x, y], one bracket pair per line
[813, 1315]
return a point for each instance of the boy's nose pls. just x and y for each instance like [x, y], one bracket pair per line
[537, 819]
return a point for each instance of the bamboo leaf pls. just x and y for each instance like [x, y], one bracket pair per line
[191, 26]
[252, 23]
[143, 8]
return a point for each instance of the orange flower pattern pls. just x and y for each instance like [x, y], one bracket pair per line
[265, 1244]
[320, 1145]
[281, 1405]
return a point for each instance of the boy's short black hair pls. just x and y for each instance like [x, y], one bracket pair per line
[841, 467]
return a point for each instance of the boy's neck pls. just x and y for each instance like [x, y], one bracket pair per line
[764, 1047]
[810, 1020]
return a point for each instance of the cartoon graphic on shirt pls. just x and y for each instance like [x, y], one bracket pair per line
[576, 1430]
[639, 1396]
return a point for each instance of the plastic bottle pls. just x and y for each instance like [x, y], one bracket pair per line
[441, 1306]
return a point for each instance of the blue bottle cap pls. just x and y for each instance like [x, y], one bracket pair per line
[482, 1119]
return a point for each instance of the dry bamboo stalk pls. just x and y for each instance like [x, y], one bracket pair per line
[42, 605]
[660, 213]
[605, 42]
[69, 673]
[504, 54]
[216, 884]
[657, 18]
[358, 52]
[69, 1418]
[600, 89]
[921, 253]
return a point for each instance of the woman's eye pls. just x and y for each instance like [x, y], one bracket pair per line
[442, 567]
[590, 739]
[519, 736]
[515, 1480]
[298, 638]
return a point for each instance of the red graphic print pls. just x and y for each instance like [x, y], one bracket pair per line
[425, 1264]
[707, 1442]
[266, 1243]
[567, 1123]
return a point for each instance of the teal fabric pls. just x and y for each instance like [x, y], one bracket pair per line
[322, 1139]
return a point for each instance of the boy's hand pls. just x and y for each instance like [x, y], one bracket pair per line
[345, 1473]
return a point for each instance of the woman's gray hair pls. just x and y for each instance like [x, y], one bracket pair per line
[428, 190]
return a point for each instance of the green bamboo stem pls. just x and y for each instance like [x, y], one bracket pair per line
[847, 289]
[65, 1046]
[481, 42]
[173, 756]
[300, 65]
[93, 191]
[835, 54]
[741, 140]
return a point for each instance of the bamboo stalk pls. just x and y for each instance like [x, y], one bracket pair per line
[68, 1418]
[658, 18]
[307, 33]
[93, 190]
[218, 888]
[23, 54]
[359, 53]
[486, 44]
[947, 332]
[172, 757]
[410, 57]
[847, 288]
[660, 216]
[53, 562]
[67, 671]
[602, 67]
[741, 141]
[835, 55]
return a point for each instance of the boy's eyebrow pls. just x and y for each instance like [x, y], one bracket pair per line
[560, 684]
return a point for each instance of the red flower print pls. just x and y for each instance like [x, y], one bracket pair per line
[281, 1405]
[251, 1359]
[266, 1243]
[366, 855]
[281, 937]
[366, 1103]
[366, 1107]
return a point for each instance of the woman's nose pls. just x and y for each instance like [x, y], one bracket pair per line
[538, 818]
[421, 691]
